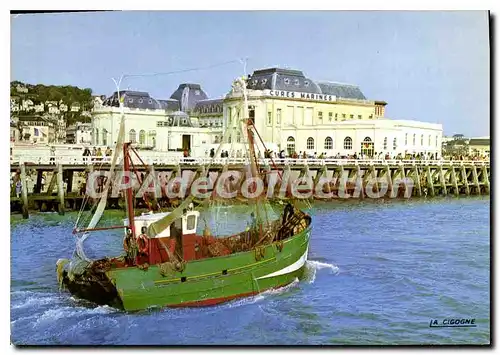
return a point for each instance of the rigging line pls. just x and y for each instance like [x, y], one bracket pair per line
[183, 70]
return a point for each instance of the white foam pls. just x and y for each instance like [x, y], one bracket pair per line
[67, 312]
[312, 266]
[34, 301]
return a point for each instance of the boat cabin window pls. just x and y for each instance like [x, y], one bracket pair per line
[191, 222]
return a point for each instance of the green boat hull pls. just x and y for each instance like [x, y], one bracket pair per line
[213, 280]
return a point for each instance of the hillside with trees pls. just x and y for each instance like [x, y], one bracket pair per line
[67, 95]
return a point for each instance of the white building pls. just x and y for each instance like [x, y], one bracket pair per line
[153, 124]
[300, 115]
[291, 113]
[79, 133]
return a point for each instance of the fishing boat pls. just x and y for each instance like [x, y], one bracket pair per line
[170, 259]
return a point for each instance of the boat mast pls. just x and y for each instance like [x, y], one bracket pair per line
[128, 191]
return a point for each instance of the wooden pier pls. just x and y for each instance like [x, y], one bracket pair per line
[338, 178]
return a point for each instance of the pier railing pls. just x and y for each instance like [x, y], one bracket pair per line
[161, 159]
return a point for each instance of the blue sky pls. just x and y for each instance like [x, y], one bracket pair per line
[428, 66]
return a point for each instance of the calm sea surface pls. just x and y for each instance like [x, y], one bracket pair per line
[378, 273]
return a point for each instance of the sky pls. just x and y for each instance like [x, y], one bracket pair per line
[428, 66]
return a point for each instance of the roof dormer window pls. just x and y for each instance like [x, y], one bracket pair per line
[296, 82]
[150, 101]
[287, 81]
[130, 100]
[255, 82]
[306, 83]
[264, 81]
[140, 101]
[197, 92]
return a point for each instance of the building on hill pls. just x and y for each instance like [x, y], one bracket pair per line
[79, 133]
[36, 129]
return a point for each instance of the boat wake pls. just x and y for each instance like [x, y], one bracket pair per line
[312, 267]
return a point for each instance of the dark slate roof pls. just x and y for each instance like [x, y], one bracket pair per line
[341, 90]
[282, 79]
[169, 104]
[295, 80]
[479, 141]
[188, 95]
[217, 103]
[133, 99]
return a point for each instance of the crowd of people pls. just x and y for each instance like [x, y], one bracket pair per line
[269, 154]
[97, 154]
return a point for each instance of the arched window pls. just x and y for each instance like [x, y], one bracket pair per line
[367, 147]
[422, 140]
[414, 139]
[104, 136]
[152, 138]
[328, 143]
[290, 145]
[238, 137]
[310, 143]
[132, 136]
[97, 136]
[142, 137]
[394, 144]
[348, 143]
[385, 143]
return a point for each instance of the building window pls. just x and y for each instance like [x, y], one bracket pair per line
[330, 116]
[278, 116]
[140, 101]
[320, 115]
[429, 140]
[130, 100]
[359, 117]
[142, 137]
[296, 82]
[306, 83]
[264, 81]
[328, 143]
[104, 137]
[414, 139]
[343, 115]
[132, 136]
[97, 136]
[336, 116]
[269, 118]
[238, 137]
[436, 141]
[351, 116]
[310, 143]
[385, 143]
[348, 143]
[152, 138]
[406, 139]
[370, 117]
[229, 115]
[422, 140]
[290, 145]
[150, 101]
[286, 81]
[394, 143]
